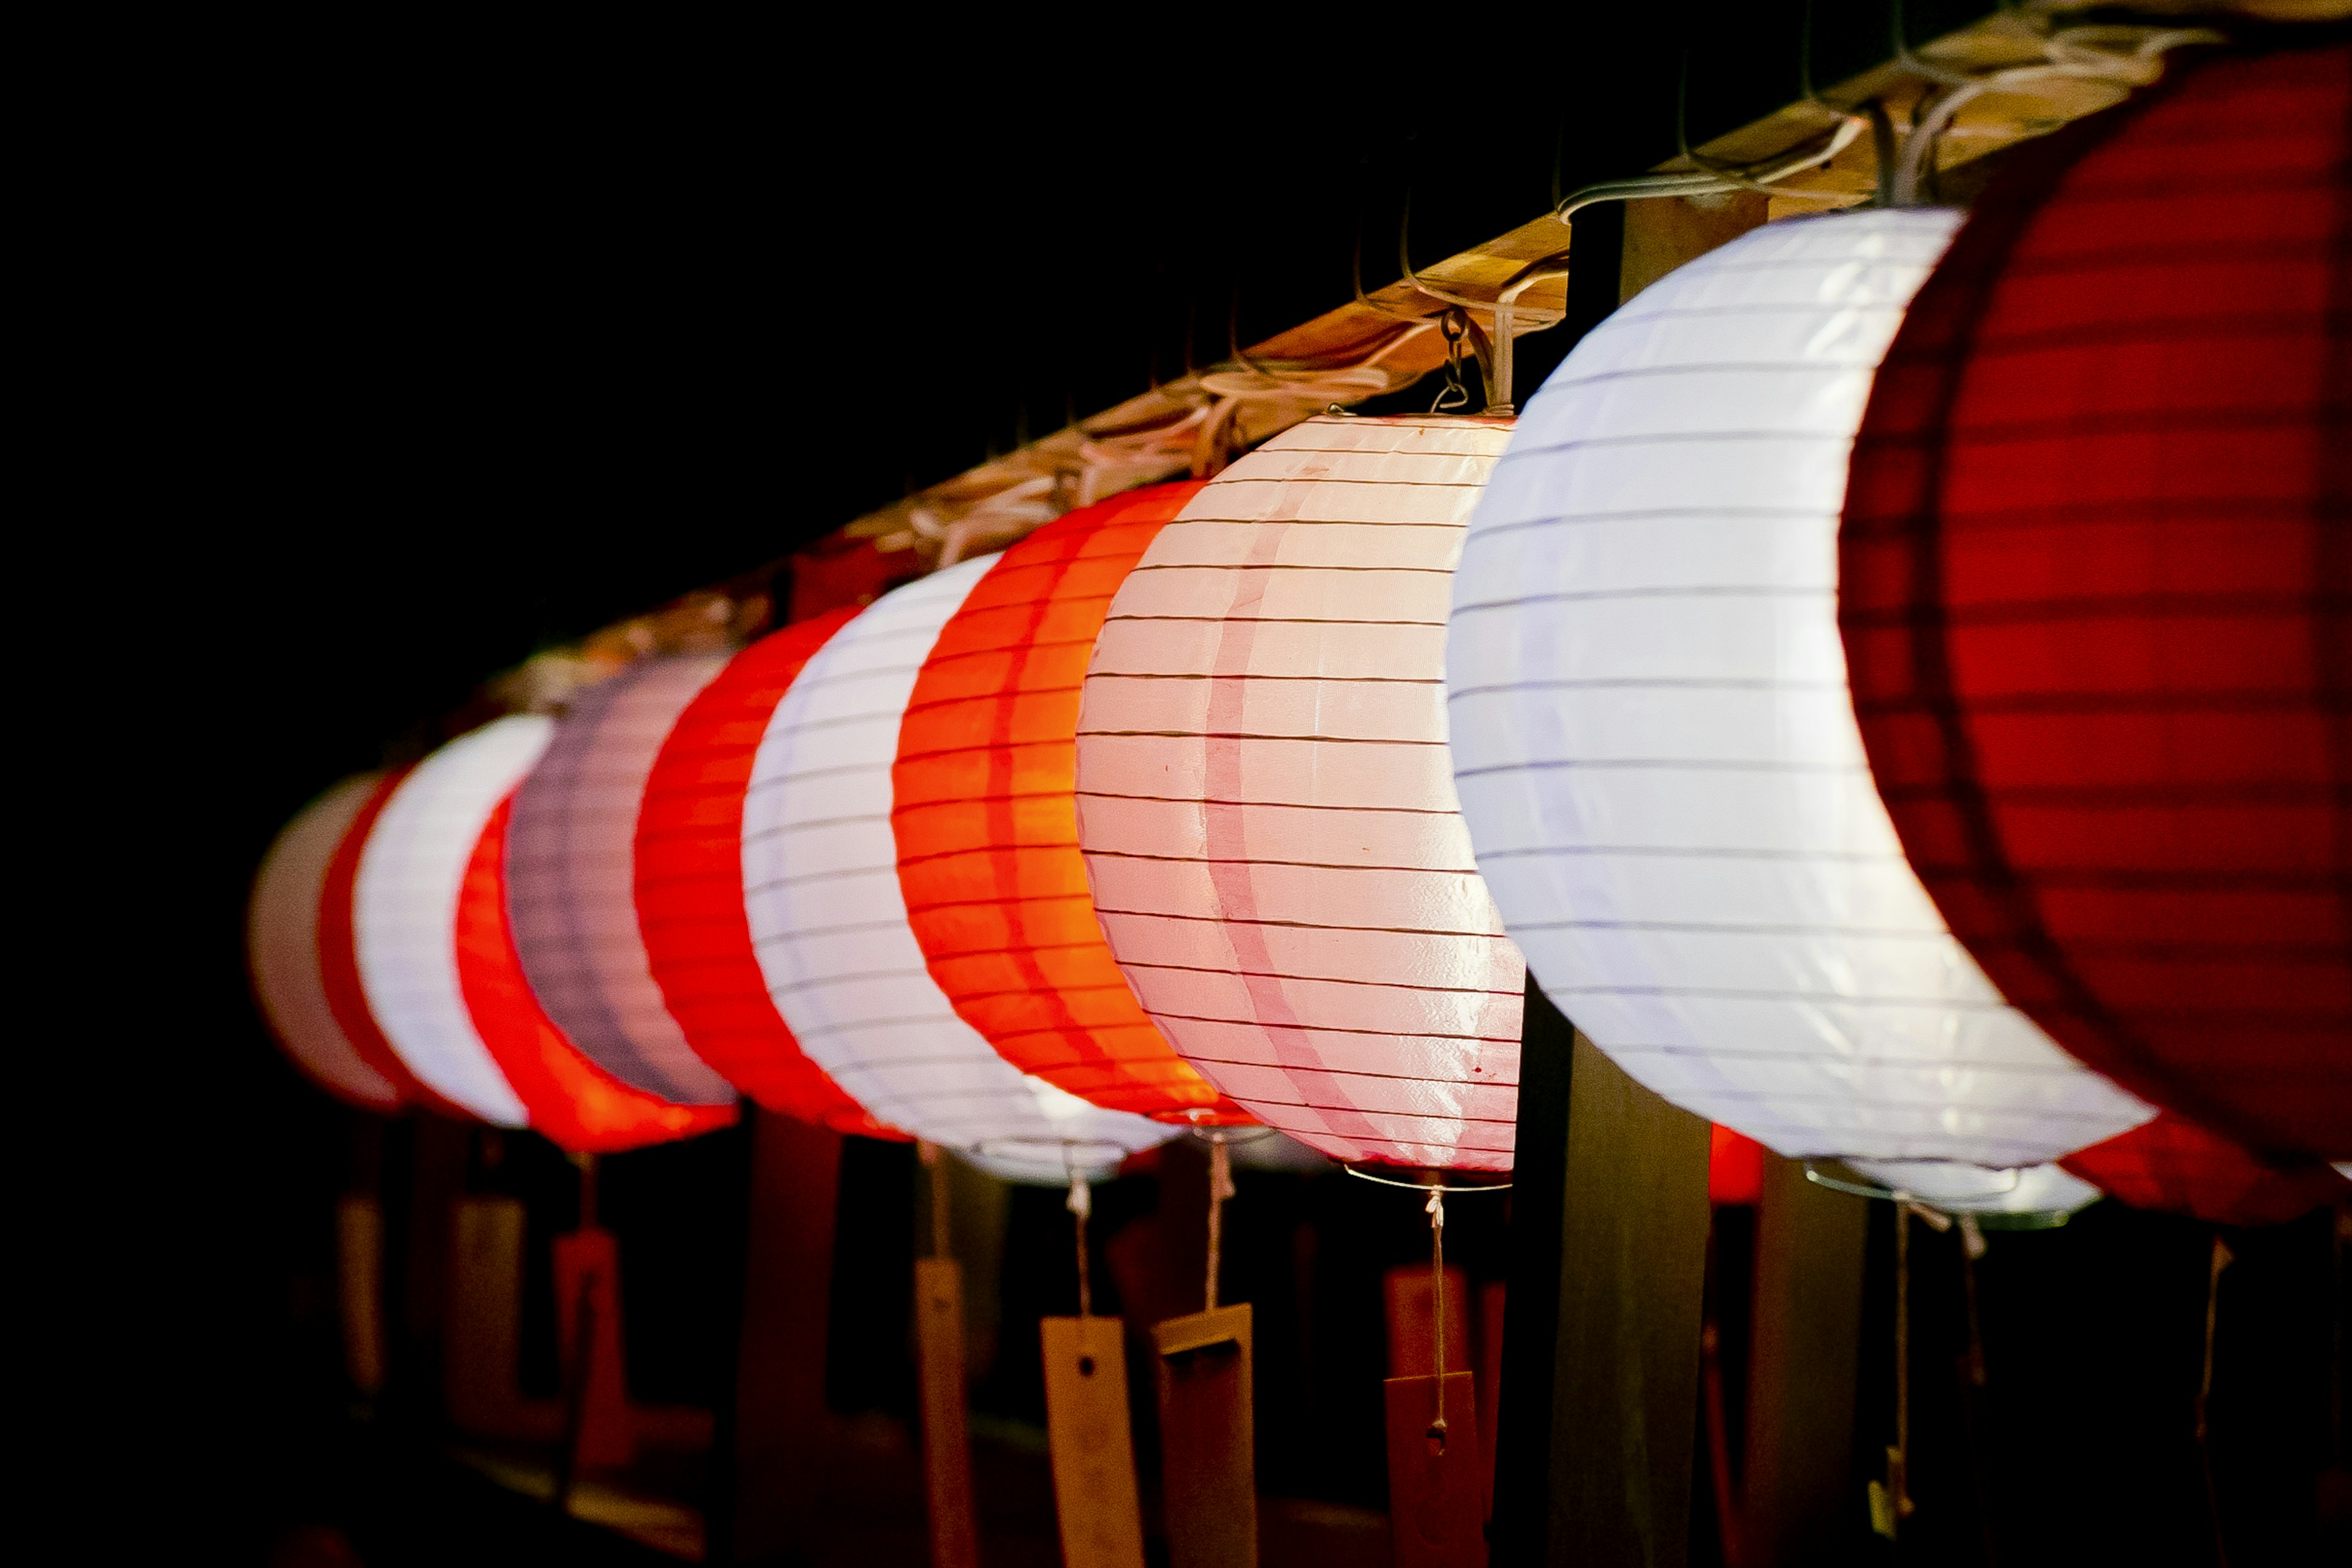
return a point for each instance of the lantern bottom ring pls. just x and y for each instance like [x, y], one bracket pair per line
[1232, 1134]
[1362, 1174]
[1079, 1154]
[1841, 1177]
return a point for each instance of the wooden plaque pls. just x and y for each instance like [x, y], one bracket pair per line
[1490, 1377]
[1093, 1452]
[946, 1451]
[1413, 1320]
[588, 1280]
[1437, 1490]
[1208, 1449]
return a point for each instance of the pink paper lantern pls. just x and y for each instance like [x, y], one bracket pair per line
[1266, 807]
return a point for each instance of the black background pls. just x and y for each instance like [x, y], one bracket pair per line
[383, 355]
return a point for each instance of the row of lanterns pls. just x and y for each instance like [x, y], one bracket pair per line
[1890, 686]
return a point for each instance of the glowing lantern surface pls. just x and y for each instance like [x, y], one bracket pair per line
[986, 820]
[2175, 1166]
[1656, 748]
[439, 965]
[689, 885]
[573, 1101]
[339, 958]
[281, 942]
[829, 923]
[571, 881]
[2098, 597]
[1265, 806]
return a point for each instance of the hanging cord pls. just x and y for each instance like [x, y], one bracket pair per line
[1082, 1208]
[2073, 54]
[1890, 1503]
[1973, 1246]
[1220, 1187]
[1436, 1211]
[1452, 395]
[2221, 1258]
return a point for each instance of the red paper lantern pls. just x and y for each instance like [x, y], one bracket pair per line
[572, 1102]
[985, 816]
[2096, 590]
[689, 885]
[2175, 1166]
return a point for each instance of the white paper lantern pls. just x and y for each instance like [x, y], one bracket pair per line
[281, 941]
[571, 882]
[829, 922]
[1657, 754]
[404, 910]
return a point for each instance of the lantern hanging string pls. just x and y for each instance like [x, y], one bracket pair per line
[1436, 1211]
[2221, 1258]
[1082, 1208]
[1220, 1187]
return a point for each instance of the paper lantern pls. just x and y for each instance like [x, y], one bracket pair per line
[1657, 754]
[573, 1101]
[829, 923]
[1265, 806]
[2173, 1165]
[439, 966]
[986, 820]
[339, 959]
[281, 945]
[689, 885]
[2099, 595]
[571, 876]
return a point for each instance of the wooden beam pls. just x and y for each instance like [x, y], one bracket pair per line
[1803, 1355]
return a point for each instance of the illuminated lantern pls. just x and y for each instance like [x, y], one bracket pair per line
[2174, 1165]
[1263, 801]
[571, 881]
[2098, 594]
[829, 923]
[281, 943]
[689, 885]
[440, 965]
[339, 959]
[1658, 757]
[986, 820]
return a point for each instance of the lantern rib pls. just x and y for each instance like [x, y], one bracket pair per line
[1295, 925]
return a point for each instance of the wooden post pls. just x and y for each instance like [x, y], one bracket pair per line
[1522, 1462]
[1601, 1350]
[783, 1430]
[947, 1447]
[481, 1355]
[359, 1281]
[1632, 1256]
[1805, 1343]
[1492, 1297]
[1093, 1450]
[1207, 1436]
